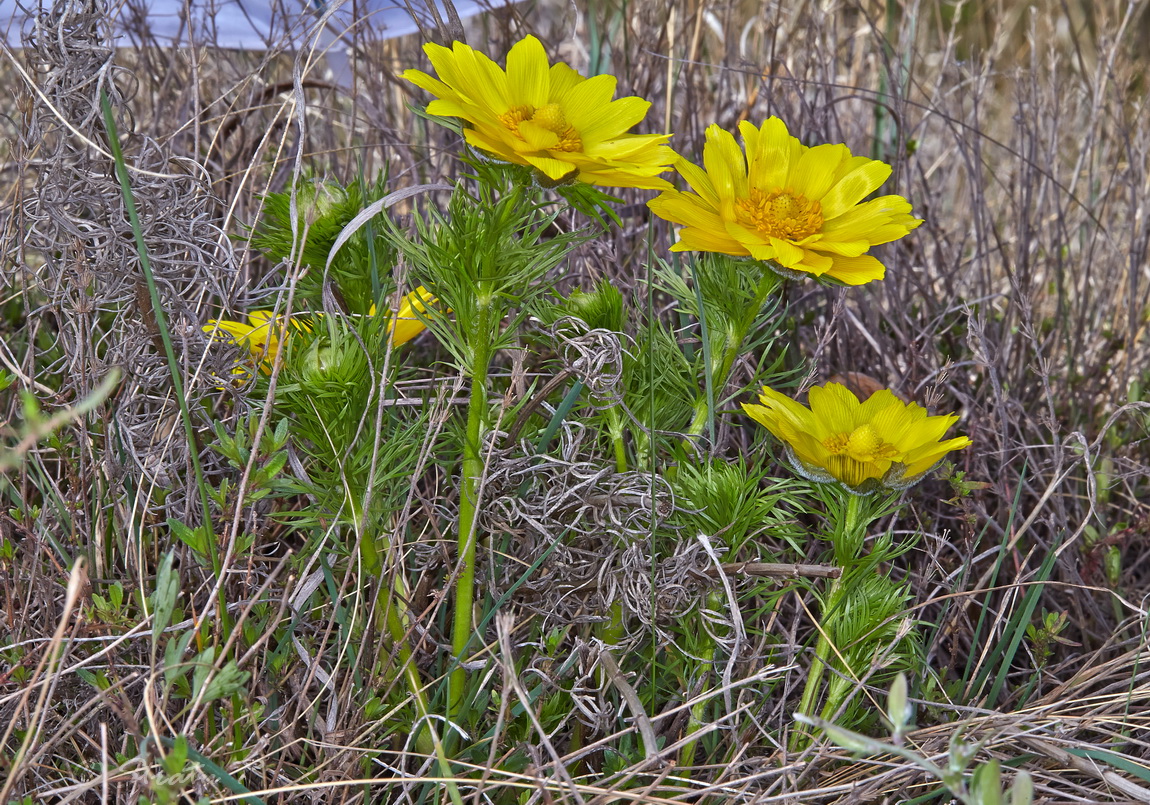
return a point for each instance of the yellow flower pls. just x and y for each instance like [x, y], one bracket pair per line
[263, 334]
[547, 117]
[406, 325]
[866, 446]
[800, 209]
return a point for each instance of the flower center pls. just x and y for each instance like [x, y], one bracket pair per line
[862, 444]
[779, 214]
[549, 116]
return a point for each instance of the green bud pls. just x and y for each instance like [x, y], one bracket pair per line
[897, 706]
[987, 786]
[318, 198]
[1022, 791]
[318, 361]
[1112, 564]
[601, 308]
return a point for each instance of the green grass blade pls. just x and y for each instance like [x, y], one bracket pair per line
[161, 319]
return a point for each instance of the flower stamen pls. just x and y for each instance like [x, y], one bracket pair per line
[514, 116]
[861, 444]
[549, 116]
[779, 214]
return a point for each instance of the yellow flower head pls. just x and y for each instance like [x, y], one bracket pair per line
[800, 209]
[406, 325]
[544, 116]
[865, 446]
[263, 334]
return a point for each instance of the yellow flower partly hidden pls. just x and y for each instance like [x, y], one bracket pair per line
[406, 325]
[800, 209]
[866, 446]
[547, 117]
[263, 334]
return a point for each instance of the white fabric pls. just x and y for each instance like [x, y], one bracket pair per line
[240, 24]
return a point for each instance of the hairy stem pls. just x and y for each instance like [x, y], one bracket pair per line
[398, 628]
[706, 653]
[851, 524]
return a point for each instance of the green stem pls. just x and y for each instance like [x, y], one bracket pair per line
[161, 322]
[698, 710]
[426, 741]
[611, 633]
[615, 428]
[849, 526]
[801, 737]
[397, 630]
[731, 351]
[849, 537]
[470, 478]
[368, 547]
[702, 416]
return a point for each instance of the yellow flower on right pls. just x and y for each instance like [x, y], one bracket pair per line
[797, 208]
[880, 443]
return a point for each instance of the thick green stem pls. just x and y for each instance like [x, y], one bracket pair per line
[707, 653]
[426, 741]
[850, 524]
[611, 633]
[470, 478]
[801, 736]
[397, 630]
[615, 429]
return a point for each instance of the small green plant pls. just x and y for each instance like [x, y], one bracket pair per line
[1043, 638]
[980, 784]
[461, 493]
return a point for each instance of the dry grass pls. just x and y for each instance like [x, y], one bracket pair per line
[1022, 136]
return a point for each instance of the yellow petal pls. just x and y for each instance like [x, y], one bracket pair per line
[699, 181]
[562, 80]
[529, 73]
[686, 209]
[787, 254]
[856, 270]
[701, 239]
[406, 324]
[814, 263]
[537, 137]
[588, 104]
[854, 187]
[608, 121]
[554, 169]
[815, 171]
[770, 159]
[724, 162]
[424, 81]
[834, 407]
[480, 79]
